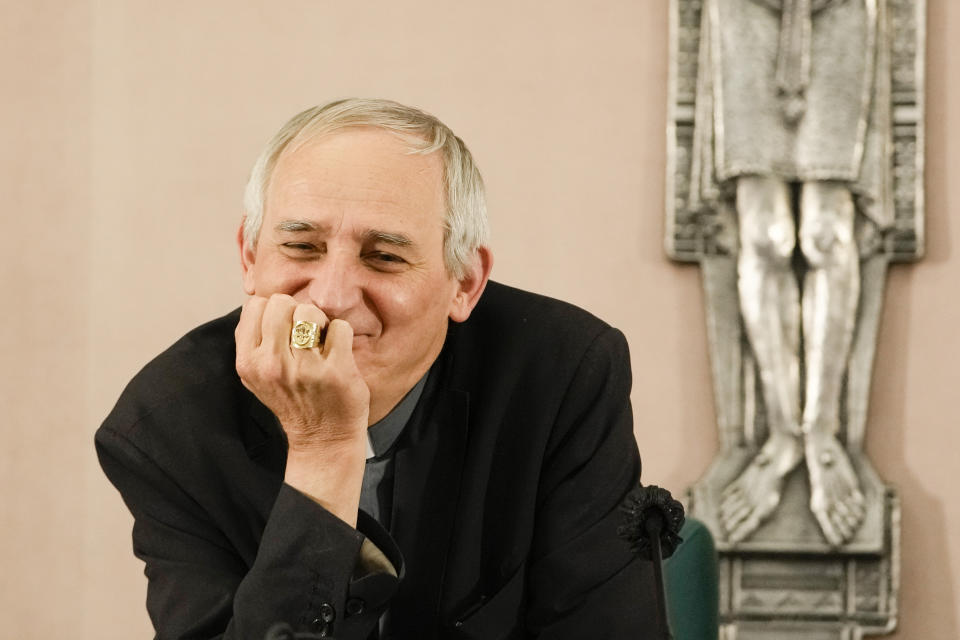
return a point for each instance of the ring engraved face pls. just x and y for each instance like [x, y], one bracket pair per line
[305, 335]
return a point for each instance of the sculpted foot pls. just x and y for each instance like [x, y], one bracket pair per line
[753, 496]
[835, 497]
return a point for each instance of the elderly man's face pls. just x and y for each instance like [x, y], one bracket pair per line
[354, 224]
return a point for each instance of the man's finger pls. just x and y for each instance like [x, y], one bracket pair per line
[277, 322]
[339, 339]
[248, 333]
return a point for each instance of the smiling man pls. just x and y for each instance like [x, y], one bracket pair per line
[381, 442]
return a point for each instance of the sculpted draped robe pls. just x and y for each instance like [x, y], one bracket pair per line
[798, 89]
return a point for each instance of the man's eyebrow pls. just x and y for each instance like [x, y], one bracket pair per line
[396, 239]
[371, 236]
[296, 225]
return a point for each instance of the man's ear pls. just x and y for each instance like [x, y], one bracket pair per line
[471, 285]
[247, 257]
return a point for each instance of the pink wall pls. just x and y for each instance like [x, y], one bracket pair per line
[128, 130]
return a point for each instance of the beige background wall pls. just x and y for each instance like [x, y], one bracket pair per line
[129, 126]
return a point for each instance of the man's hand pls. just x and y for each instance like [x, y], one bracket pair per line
[318, 395]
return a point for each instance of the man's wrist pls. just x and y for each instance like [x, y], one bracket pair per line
[331, 474]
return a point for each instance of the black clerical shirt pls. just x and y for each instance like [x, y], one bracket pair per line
[376, 494]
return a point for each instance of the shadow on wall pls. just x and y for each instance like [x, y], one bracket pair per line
[929, 599]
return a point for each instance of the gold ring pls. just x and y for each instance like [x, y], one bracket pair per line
[305, 334]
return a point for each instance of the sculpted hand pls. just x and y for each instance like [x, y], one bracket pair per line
[318, 395]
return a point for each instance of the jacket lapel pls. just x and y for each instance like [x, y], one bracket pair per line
[427, 477]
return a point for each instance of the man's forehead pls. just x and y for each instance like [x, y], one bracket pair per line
[367, 147]
[358, 160]
[367, 175]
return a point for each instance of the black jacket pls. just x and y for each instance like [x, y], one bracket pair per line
[507, 484]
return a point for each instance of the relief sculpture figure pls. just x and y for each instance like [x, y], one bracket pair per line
[790, 109]
[795, 178]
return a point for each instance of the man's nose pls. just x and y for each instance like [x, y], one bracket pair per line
[335, 286]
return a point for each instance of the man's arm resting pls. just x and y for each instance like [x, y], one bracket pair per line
[304, 573]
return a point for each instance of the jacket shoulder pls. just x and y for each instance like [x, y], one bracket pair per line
[532, 319]
[517, 340]
[201, 364]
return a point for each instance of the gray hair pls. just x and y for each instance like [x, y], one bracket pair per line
[465, 224]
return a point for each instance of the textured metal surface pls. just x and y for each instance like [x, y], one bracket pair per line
[811, 596]
[808, 534]
[692, 233]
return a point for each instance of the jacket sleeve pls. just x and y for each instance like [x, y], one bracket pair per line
[582, 579]
[305, 573]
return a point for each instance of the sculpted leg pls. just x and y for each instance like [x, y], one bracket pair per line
[770, 306]
[830, 294]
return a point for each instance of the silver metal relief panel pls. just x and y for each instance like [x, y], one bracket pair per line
[795, 176]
